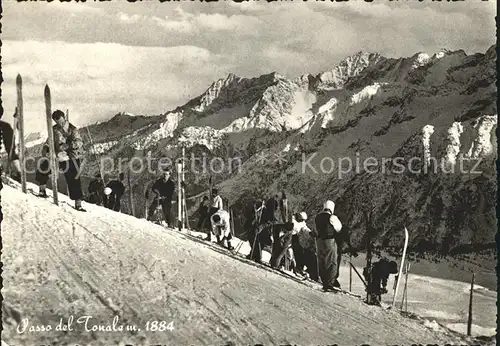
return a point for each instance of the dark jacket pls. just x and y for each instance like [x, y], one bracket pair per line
[117, 188]
[324, 226]
[204, 209]
[164, 188]
[269, 214]
[8, 140]
[96, 191]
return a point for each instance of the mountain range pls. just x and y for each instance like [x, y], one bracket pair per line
[434, 115]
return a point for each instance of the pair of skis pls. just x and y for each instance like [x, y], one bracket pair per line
[19, 119]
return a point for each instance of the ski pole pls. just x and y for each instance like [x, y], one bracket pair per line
[67, 118]
[254, 240]
[130, 194]
[359, 275]
[350, 274]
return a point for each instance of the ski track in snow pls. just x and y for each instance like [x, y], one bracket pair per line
[60, 262]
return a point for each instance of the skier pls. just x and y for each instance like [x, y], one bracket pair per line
[216, 202]
[377, 278]
[68, 146]
[309, 259]
[10, 147]
[269, 214]
[96, 190]
[257, 236]
[43, 171]
[282, 241]
[299, 225]
[163, 189]
[328, 227]
[284, 207]
[118, 189]
[204, 212]
[221, 227]
[106, 202]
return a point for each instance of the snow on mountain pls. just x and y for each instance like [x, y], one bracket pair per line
[206, 136]
[365, 93]
[368, 106]
[348, 68]
[482, 145]
[103, 148]
[60, 263]
[421, 60]
[453, 143]
[427, 132]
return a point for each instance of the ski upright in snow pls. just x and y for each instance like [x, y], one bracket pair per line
[52, 154]
[401, 266]
[20, 116]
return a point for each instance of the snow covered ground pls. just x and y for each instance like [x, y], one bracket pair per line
[60, 263]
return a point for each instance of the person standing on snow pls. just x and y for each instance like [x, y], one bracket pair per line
[216, 202]
[299, 225]
[204, 211]
[42, 172]
[96, 190]
[282, 241]
[10, 148]
[269, 214]
[106, 201]
[221, 227]
[284, 207]
[377, 277]
[117, 191]
[328, 227]
[68, 146]
[163, 189]
[256, 235]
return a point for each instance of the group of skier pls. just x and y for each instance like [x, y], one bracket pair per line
[293, 244]
[268, 224]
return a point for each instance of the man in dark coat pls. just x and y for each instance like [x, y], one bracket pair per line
[377, 277]
[96, 190]
[328, 227]
[204, 218]
[163, 189]
[117, 191]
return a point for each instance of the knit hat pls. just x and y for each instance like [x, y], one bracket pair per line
[329, 205]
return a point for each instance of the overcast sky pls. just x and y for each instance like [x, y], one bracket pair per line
[149, 57]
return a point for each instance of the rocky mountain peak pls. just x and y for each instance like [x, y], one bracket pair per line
[346, 69]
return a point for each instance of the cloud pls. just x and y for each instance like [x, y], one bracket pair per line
[150, 57]
[98, 80]
[184, 22]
